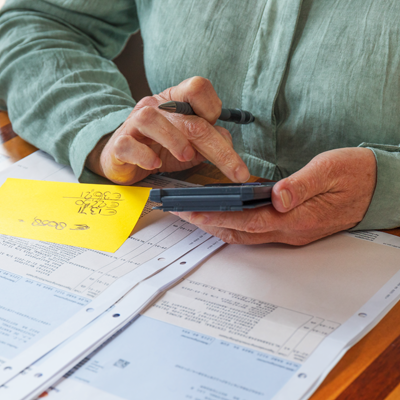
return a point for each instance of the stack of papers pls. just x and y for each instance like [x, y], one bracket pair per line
[50, 292]
[238, 322]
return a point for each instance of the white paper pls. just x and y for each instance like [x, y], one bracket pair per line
[69, 353]
[48, 291]
[253, 322]
[5, 161]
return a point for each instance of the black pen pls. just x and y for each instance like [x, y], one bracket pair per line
[227, 114]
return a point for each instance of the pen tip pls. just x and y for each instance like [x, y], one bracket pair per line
[168, 106]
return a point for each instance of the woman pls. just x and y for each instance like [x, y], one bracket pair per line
[322, 80]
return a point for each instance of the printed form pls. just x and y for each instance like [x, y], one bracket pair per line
[252, 322]
[49, 291]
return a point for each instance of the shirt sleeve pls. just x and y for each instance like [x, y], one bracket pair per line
[57, 81]
[384, 210]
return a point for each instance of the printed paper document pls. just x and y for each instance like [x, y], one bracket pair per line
[50, 291]
[253, 322]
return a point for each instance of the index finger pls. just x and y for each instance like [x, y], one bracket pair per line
[213, 146]
[258, 220]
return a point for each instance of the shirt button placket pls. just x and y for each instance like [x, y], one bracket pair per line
[267, 65]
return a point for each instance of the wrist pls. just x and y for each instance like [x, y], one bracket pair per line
[93, 160]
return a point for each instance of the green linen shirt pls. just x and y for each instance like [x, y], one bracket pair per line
[318, 75]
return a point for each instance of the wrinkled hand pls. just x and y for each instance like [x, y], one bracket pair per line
[330, 194]
[152, 140]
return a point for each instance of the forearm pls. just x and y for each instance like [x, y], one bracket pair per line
[61, 92]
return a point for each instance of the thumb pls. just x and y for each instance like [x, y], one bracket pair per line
[290, 192]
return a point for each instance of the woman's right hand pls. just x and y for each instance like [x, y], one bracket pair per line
[152, 140]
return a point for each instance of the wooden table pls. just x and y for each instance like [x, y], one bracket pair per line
[369, 371]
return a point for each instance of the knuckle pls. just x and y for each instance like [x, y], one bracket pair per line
[147, 101]
[197, 85]
[215, 105]
[121, 144]
[198, 129]
[229, 236]
[145, 115]
[300, 187]
[324, 161]
[326, 166]
[213, 116]
[226, 157]
[256, 223]
[200, 91]
[166, 94]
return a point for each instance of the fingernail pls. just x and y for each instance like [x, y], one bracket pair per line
[242, 174]
[157, 164]
[188, 153]
[286, 198]
[199, 219]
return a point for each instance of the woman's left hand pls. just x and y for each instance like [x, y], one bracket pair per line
[330, 194]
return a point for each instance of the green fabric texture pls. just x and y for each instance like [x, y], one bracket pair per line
[317, 75]
[57, 82]
[384, 210]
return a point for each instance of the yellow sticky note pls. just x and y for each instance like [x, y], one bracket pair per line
[98, 217]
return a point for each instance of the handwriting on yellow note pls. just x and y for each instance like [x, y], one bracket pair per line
[98, 217]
